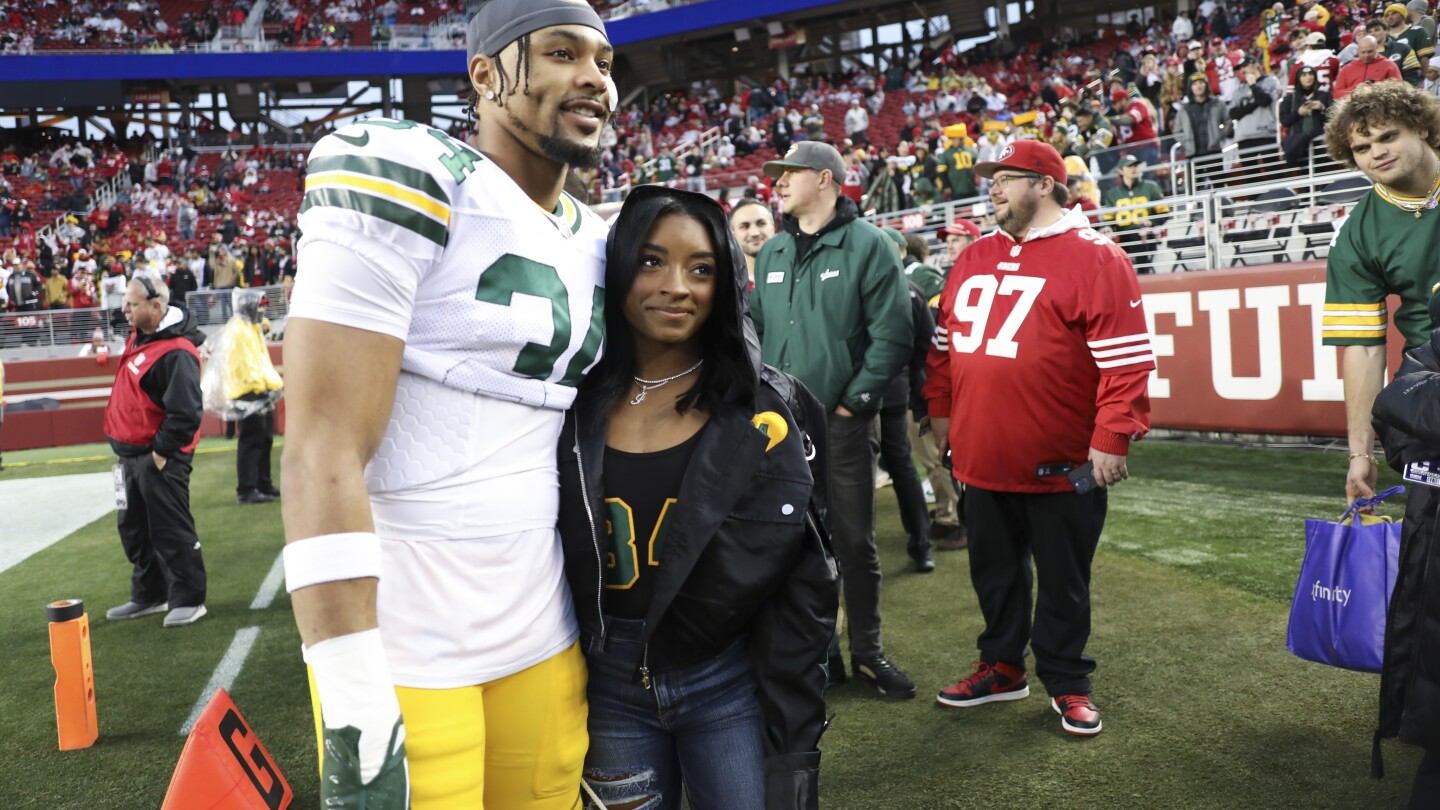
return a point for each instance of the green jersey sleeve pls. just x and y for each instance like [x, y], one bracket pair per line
[1355, 313]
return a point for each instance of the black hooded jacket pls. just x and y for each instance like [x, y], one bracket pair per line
[173, 384]
[1407, 419]
[747, 554]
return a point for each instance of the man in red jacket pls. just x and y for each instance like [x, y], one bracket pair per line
[1039, 367]
[153, 423]
[1369, 66]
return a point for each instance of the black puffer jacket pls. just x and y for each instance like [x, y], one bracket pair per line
[748, 553]
[1407, 418]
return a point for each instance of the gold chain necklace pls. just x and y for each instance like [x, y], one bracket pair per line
[1430, 200]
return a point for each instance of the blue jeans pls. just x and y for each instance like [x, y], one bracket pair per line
[698, 724]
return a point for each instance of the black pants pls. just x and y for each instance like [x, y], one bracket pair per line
[252, 452]
[158, 533]
[1059, 532]
[1427, 782]
[852, 444]
[895, 451]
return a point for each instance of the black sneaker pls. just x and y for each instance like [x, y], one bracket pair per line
[924, 560]
[887, 678]
[919, 551]
[272, 491]
[253, 496]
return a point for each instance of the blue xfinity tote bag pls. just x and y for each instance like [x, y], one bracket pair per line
[1338, 614]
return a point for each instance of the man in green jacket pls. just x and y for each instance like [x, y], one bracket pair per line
[831, 308]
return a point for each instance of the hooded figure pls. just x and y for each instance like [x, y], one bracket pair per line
[1200, 121]
[241, 385]
[1303, 114]
[240, 379]
[714, 555]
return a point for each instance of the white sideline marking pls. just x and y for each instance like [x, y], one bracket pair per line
[271, 585]
[225, 673]
[34, 518]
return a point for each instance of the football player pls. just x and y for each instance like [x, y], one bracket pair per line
[450, 303]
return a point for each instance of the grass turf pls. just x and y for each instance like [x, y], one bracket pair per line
[1203, 707]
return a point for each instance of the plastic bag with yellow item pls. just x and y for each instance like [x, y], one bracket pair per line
[239, 380]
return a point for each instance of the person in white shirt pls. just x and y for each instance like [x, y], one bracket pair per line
[857, 121]
[1182, 29]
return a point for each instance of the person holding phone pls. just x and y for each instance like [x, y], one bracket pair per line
[1041, 321]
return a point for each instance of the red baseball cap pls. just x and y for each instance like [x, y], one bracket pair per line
[960, 227]
[1027, 156]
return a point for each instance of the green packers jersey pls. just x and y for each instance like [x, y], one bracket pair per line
[1140, 202]
[501, 298]
[1381, 250]
[1419, 40]
[928, 278]
[957, 165]
[1399, 51]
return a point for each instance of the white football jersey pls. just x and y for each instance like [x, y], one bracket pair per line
[414, 234]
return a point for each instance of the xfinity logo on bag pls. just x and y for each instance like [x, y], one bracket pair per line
[1319, 592]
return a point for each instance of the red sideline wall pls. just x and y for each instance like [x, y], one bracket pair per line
[1239, 351]
[82, 385]
[1236, 351]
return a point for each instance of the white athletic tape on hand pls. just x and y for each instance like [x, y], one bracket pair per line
[331, 558]
[352, 677]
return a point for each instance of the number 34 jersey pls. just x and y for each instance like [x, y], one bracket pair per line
[1041, 352]
[414, 234]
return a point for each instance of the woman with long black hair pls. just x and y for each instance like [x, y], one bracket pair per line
[693, 531]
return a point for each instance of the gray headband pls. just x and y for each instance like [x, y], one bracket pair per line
[500, 22]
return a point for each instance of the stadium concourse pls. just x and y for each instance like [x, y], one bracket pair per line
[1205, 709]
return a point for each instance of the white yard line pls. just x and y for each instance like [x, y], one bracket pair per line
[271, 585]
[225, 674]
[40, 512]
[229, 667]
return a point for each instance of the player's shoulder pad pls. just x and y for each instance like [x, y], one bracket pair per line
[398, 177]
[412, 155]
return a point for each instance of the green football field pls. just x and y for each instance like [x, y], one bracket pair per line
[1203, 707]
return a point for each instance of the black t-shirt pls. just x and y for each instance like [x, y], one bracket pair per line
[642, 492]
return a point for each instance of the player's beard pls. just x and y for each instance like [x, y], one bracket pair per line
[553, 146]
[572, 154]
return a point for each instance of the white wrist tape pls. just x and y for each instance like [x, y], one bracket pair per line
[352, 679]
[331, 558]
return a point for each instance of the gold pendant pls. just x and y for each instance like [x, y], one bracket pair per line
[1417, 213]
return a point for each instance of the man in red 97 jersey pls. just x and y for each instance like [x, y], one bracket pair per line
[1039, 365]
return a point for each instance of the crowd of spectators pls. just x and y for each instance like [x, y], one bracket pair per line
[213, 222]
[27, 26]
[1242, 74]
[1226, 74]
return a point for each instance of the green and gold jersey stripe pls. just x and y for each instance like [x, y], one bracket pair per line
[378, 207]
[382, 169]
[568, 212]
[1397, 200]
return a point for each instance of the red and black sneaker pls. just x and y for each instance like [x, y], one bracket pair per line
[989, 683]
[1078, 715]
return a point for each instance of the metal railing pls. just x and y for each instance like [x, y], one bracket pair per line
[1286, 220]
[69, 332]
[214, 307]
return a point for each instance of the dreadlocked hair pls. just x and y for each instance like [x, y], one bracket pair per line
[522, 67]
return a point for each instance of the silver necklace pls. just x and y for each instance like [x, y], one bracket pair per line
[646, 386]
